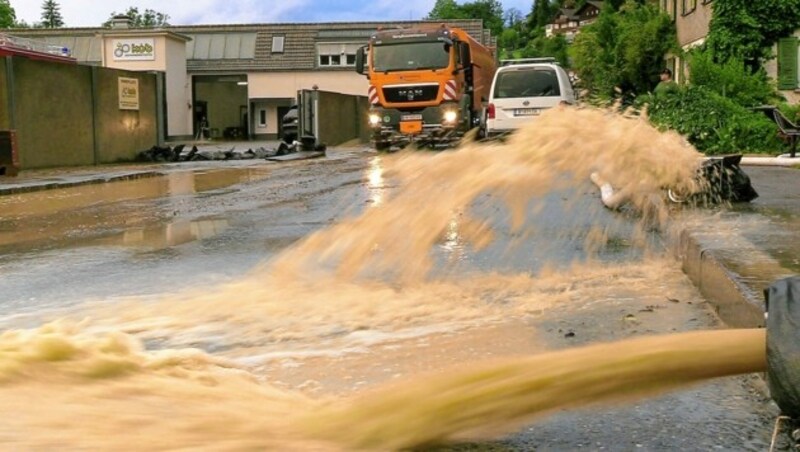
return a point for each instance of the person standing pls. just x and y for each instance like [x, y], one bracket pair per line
[666, 85]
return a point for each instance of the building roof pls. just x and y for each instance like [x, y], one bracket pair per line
[247, 47]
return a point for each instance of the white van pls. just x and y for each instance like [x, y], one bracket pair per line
[522, 89]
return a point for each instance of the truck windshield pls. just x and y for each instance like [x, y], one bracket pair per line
[410, 56]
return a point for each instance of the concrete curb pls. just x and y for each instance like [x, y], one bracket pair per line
[771, 161]
[30, 187]
[734, 303]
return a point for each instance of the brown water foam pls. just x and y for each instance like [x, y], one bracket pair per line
[492, 399]
[98, 386]
[561, 148]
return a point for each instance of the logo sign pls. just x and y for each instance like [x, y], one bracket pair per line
[410, 93]
[128, 93]
[143, 49]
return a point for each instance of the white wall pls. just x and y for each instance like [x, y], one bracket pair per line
[271, 120]
[179, 113]
[286, 84]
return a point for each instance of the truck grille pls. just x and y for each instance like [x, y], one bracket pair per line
[421, 93]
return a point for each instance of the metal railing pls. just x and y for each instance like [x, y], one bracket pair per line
[33, 45]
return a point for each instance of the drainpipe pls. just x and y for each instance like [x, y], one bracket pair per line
[160, 129]
[95, 112]
[12, 103]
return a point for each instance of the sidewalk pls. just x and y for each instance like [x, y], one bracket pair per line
[749, 246]
[731, 259]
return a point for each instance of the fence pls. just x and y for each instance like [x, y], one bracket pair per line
[334, 118]
[69, 114]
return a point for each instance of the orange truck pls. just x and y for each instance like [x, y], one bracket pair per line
[427, 84]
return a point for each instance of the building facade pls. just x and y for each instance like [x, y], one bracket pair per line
[692, 19]
[239, 79]
[569, 21]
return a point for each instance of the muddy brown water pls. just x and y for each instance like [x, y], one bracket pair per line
[132, 375]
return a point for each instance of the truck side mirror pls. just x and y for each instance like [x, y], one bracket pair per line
[464, 55]
[361, 57]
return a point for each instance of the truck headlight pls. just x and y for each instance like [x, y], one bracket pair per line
[450, 116]
[374, 119]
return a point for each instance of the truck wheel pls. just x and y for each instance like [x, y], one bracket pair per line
[382, 146]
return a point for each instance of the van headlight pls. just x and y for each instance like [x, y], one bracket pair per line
[374, 119]
[450, 116]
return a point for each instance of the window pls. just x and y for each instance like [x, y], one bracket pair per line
[337, 55]
[262, 118]
[277, 44]
[527, 83]
[688, 6]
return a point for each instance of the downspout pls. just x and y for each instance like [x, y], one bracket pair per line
[12, 103]
[95, 112]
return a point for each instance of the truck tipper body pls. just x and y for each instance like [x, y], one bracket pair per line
[427, 84]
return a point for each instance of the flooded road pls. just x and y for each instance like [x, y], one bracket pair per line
[139, 273]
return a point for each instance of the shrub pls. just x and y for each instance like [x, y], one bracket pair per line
[731, 79]
[622, 53]
[712, 123]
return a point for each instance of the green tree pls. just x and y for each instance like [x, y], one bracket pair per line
[51, 15]
[731, 79]
[746, 30]
[147, 19]
[623, 52]
[8, 17]
[541, 46]
[512, 17]
[542, 13]
[491, 11]
[445, 9]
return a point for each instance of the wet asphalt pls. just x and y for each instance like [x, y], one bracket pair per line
[59, 248]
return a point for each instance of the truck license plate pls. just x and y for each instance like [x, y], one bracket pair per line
[526, 111]
[411, 118]
[411, 126]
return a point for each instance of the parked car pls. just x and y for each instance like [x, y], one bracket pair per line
[521, 90]
[290, 123]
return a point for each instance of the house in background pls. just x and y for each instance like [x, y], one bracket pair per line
[569, 21]
[692, 20]
[239, 79]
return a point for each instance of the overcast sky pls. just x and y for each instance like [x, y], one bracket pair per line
[90, 13]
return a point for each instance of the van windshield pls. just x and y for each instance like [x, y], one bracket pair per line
[410, 56]
[533, 82]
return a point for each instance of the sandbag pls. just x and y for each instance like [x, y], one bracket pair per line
[783, 344]
[726, 181]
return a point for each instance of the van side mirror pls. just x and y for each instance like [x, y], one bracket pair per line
[361, 57]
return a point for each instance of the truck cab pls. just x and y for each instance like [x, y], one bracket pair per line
[426, 84]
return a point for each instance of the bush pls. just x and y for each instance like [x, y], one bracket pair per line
[622, 53]
[712, 123]
[731, 79]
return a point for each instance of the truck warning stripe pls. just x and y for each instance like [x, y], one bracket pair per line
[373, 95]
[450, 90]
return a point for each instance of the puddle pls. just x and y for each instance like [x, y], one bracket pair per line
[77, 215]
[49, 202]
[370, 283]
[170, 234]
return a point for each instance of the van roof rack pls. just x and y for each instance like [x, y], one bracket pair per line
[528, 60]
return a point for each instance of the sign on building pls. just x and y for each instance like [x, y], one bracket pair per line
[128, 93]
[140, 49]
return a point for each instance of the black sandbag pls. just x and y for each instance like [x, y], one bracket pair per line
[783, 344]
[724, 180]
